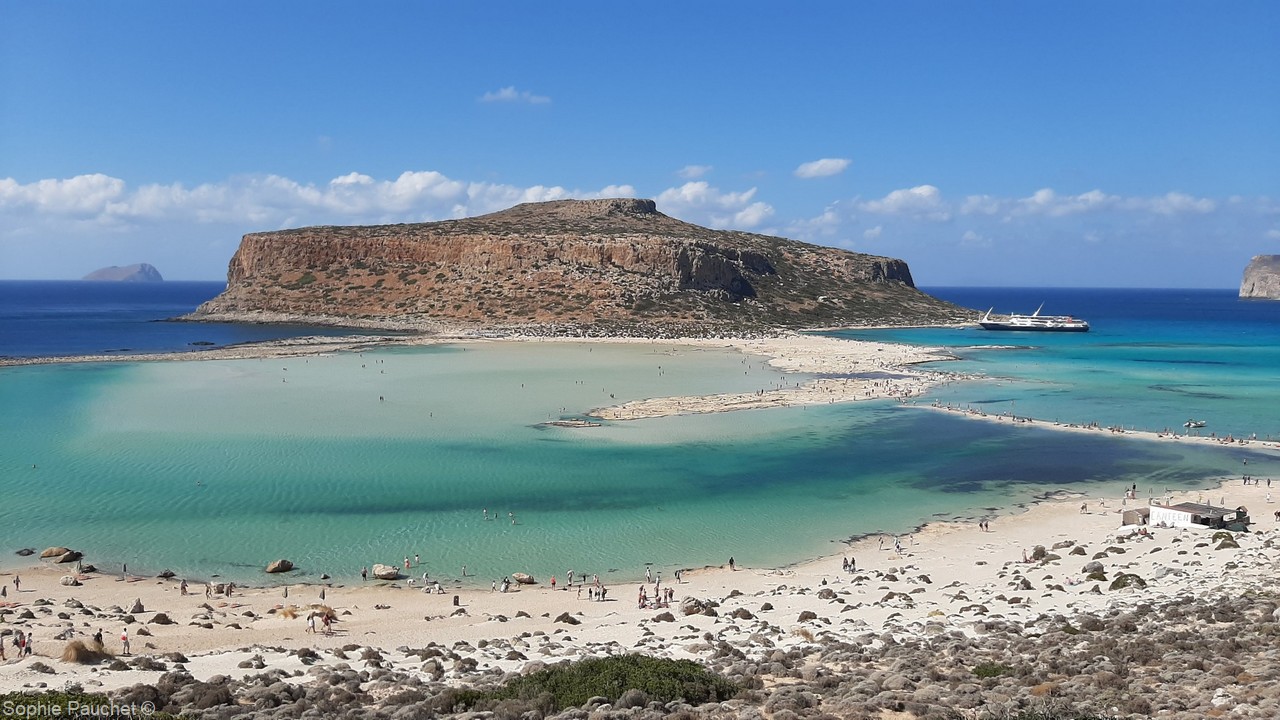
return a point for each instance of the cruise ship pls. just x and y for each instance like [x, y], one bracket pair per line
[1034, 322]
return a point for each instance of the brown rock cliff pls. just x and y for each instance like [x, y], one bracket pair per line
[615, 263]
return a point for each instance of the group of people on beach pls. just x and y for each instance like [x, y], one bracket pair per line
[22, 643]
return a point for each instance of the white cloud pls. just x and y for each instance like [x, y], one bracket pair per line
[1047, 202]
[699, 202]
[973, 239]
[1273, 234]
[509, 94]
[80, 195]
[922, 202]
[873, 233]
[693, 172]
[982, 205]
[1176, 203]
[822, 168]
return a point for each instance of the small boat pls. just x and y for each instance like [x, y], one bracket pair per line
[1193, 424]
[1035, 322]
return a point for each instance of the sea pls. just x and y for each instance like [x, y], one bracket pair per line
[212, 468]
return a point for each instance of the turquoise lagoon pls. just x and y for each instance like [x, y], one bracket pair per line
[336, 462]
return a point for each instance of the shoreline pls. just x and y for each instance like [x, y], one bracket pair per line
[941, 567]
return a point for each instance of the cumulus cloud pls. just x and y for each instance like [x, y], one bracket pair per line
[272, 200]
[693, 172]
[873, 233]
[922, 202]
[510, 94]
[973, 239]
[701, 203]
[822, 168]
[80, 195]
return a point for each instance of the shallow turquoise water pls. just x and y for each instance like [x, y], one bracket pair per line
[220, 466]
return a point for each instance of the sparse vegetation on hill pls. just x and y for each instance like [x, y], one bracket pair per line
[593, 266]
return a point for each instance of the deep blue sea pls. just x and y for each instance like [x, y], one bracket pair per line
[47, 318]
[343, 460]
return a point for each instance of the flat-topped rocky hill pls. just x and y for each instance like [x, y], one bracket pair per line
[615, 265]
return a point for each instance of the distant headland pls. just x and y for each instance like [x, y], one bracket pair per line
[583, 267]
[138, 272]
[1262, 278]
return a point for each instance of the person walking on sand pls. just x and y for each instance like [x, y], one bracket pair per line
[182, 586]
[17, 584]
[208, 589]
[732, 565]
[1084, 508]
[124, 641]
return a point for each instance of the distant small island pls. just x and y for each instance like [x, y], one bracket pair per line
[138, 272]
[1262, 278]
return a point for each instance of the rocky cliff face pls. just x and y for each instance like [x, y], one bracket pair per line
[139, 272]
[1262, 278]
[591, 263]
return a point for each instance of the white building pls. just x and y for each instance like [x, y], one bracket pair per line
[1197, 515]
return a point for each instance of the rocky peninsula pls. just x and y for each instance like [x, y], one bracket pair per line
[575, 267]
[1262, 278]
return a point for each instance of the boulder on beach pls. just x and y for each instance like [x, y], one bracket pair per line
[69, 581]
[385, 572]
[523, 578]
[137, 606]
[692, 606]
[25, 552]
[279, 566]
[54, 552]
[69, 556]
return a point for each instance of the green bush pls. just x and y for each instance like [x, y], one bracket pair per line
[565, 686]
[990, 670]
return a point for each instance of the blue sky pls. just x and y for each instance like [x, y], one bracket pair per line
[993, 143]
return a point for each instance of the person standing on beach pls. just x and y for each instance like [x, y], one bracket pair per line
[124, 641]
[17, 584]
[732, 565]
[364, 573]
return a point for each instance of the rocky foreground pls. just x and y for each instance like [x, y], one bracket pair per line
[1188, 657]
